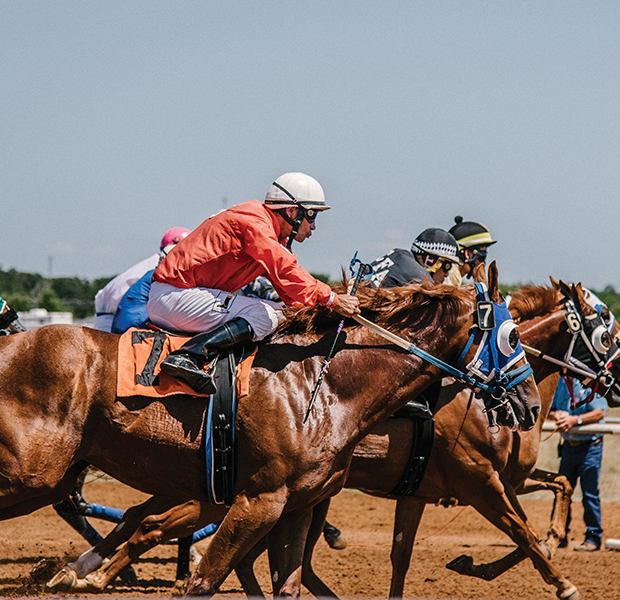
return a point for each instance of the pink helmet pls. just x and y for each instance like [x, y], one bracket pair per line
[173, 236]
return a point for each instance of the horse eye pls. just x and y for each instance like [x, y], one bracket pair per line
[507, 338]
[513, 338]
[605, 314]
[601, 340]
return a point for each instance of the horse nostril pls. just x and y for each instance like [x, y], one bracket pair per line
[536, 413]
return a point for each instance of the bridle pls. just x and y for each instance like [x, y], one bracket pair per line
[591, 342]
[497, 351]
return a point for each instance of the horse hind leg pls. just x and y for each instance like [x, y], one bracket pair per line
[73, 575]
[409, 512]
[500, 506]
[287, 544]
[309, 578]
[558, 484]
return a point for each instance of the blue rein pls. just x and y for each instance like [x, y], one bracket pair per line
[503, 380]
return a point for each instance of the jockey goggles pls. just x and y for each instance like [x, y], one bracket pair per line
[433, 263]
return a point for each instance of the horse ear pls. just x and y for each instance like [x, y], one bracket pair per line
[578, 298]
[479, 274]
[554, 283]
[565, 289]
[494, 291]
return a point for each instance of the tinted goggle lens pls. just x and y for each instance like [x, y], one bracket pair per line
[310, 214]
[481, 254]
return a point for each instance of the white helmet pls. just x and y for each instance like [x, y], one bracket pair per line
[296, 188]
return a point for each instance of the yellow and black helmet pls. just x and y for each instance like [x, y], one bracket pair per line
[470, 234]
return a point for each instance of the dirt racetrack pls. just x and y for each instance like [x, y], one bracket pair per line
[361, 570]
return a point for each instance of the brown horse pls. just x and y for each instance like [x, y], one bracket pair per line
[58, 389]
[469, 465]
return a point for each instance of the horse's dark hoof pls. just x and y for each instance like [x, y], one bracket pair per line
[461, 564]
[128, 577]
[333, 536]
[44, 569]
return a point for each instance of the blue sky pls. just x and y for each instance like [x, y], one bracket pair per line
[119, 120]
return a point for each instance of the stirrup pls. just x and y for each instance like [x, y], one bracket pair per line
[184, 367]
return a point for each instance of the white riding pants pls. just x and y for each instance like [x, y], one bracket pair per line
[203, 310]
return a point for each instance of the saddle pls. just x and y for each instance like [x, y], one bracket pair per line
[420, 411]
[140, 354]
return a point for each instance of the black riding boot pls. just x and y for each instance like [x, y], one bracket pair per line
[186, 362]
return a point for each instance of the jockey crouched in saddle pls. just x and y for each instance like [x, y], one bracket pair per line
[433, 254]
[193, 289]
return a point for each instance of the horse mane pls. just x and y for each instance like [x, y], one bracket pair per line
[417, 304]
[532, 301]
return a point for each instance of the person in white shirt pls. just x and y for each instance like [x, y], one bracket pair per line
[108, 298]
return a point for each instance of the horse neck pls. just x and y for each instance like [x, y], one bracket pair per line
[397, 377]
[546, 334]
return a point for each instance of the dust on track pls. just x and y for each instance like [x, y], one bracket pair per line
[361, 570]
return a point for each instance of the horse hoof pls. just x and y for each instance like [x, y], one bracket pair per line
[545, 549]
[128, 577]
[461, 564]
[179, 587]
[570, 593]
[337, 542]
[45, 569]
[63, 581]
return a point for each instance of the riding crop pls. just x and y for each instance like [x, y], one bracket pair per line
[363, 270]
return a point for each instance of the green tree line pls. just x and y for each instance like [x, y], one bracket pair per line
[24, 291]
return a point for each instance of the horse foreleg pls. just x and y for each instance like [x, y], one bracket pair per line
[497, 508]
[248, 520]
[409, 512]
[309, 578]
[286, 543]
[563, 491]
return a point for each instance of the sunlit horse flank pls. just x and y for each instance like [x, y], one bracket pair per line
[309, 462]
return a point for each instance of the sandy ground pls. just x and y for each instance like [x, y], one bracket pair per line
[361, 570]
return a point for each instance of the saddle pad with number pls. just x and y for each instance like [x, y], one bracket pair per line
[140, 352]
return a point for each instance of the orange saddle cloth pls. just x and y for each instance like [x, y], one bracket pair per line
[140, 352]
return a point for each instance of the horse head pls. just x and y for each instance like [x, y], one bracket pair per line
[496, 360]
[596, 340]
[9, 321]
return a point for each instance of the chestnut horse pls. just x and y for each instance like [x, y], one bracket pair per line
[59, 411]
[470, 465]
